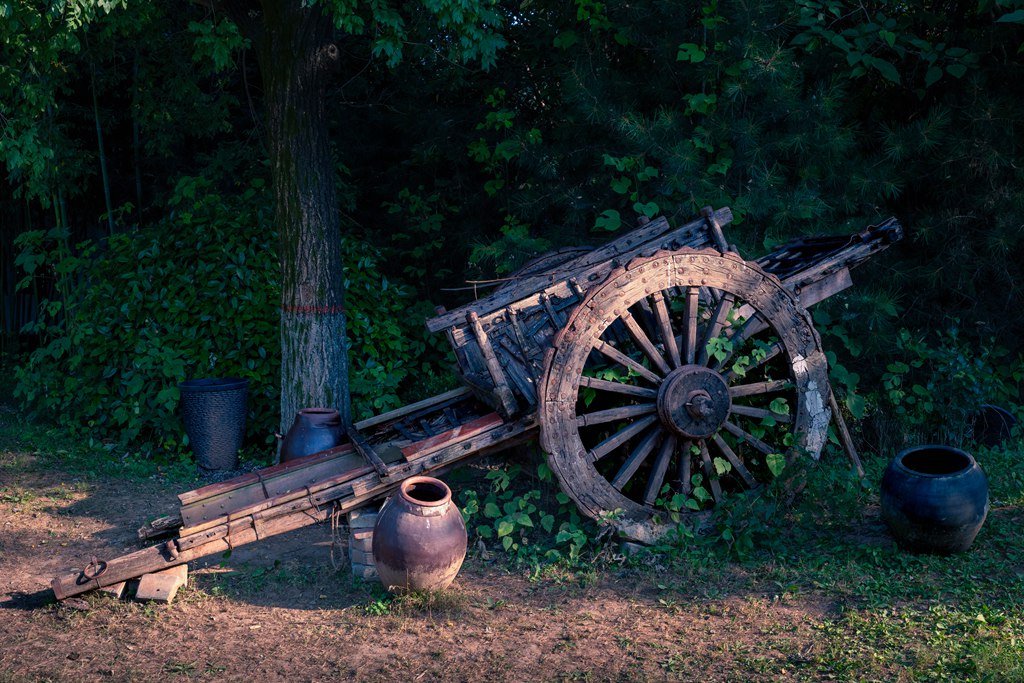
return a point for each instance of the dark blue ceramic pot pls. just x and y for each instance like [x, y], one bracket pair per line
[314, 430]
[934, 499]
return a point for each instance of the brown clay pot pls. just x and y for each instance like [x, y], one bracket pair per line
[419, 541]
[314, 430]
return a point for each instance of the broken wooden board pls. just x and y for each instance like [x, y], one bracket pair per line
[162, 586]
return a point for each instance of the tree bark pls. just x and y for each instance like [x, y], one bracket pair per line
[296, 61]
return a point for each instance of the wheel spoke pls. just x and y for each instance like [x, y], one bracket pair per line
[759, 413]
[690, 336]
[737, 463]
[739, 433]
[769, 387]
[625, 361]
[644, 342]
[635, 459]
[660, 467]
[714, 328]
[613, 414]
[685, 467]
[709, 472]
[617, 387]
[620, 437]
[665, 327]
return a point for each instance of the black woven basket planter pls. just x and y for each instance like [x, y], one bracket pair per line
[214, 412]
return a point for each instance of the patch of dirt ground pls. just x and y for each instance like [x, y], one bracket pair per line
[279, 610]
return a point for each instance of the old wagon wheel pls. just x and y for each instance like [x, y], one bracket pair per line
[685, 374]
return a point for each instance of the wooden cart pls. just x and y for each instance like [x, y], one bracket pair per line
[659, 367]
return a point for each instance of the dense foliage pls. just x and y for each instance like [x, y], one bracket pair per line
[808, 117]
[195, 295]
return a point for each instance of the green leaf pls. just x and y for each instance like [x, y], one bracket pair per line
[722, 466]
[609, 220]
[650, 209]
[856, 405]
[956, 70]
[933, 76]
[547, 522]
[690, 52]
[776, 463]
[888, 36]
[621, 184]
[505, 527]
[885, 68]
[1015, 17]
[491, 511]
[566, 39]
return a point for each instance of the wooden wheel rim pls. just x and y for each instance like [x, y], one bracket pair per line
[570, 459]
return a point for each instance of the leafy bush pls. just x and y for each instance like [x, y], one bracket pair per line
[933, 390]
[533, 525]
[195, 295]
[391, 354]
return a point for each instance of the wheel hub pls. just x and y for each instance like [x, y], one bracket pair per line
[693, 401]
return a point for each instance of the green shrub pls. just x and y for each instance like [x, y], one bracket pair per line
[933, 390]
[196, 295]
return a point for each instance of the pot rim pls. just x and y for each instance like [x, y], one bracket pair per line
[899, 464]
[212, 384]
[319, 411]
[403, 491]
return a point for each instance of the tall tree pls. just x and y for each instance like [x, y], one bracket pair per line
[294, 41]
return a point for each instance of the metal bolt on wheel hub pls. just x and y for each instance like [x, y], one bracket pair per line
[693, 402]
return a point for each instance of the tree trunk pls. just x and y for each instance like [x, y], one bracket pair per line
[297, 59]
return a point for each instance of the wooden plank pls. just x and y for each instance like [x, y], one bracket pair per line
[261, 490]
[506, 401]
[359, 470]
[265, 474]
[160, 527]
[365, 425]
[435, 443]
[844, 434]
[811, 293]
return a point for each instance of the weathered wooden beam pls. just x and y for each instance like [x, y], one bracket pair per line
[264, 476]
[426, 404]
[260, 488]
